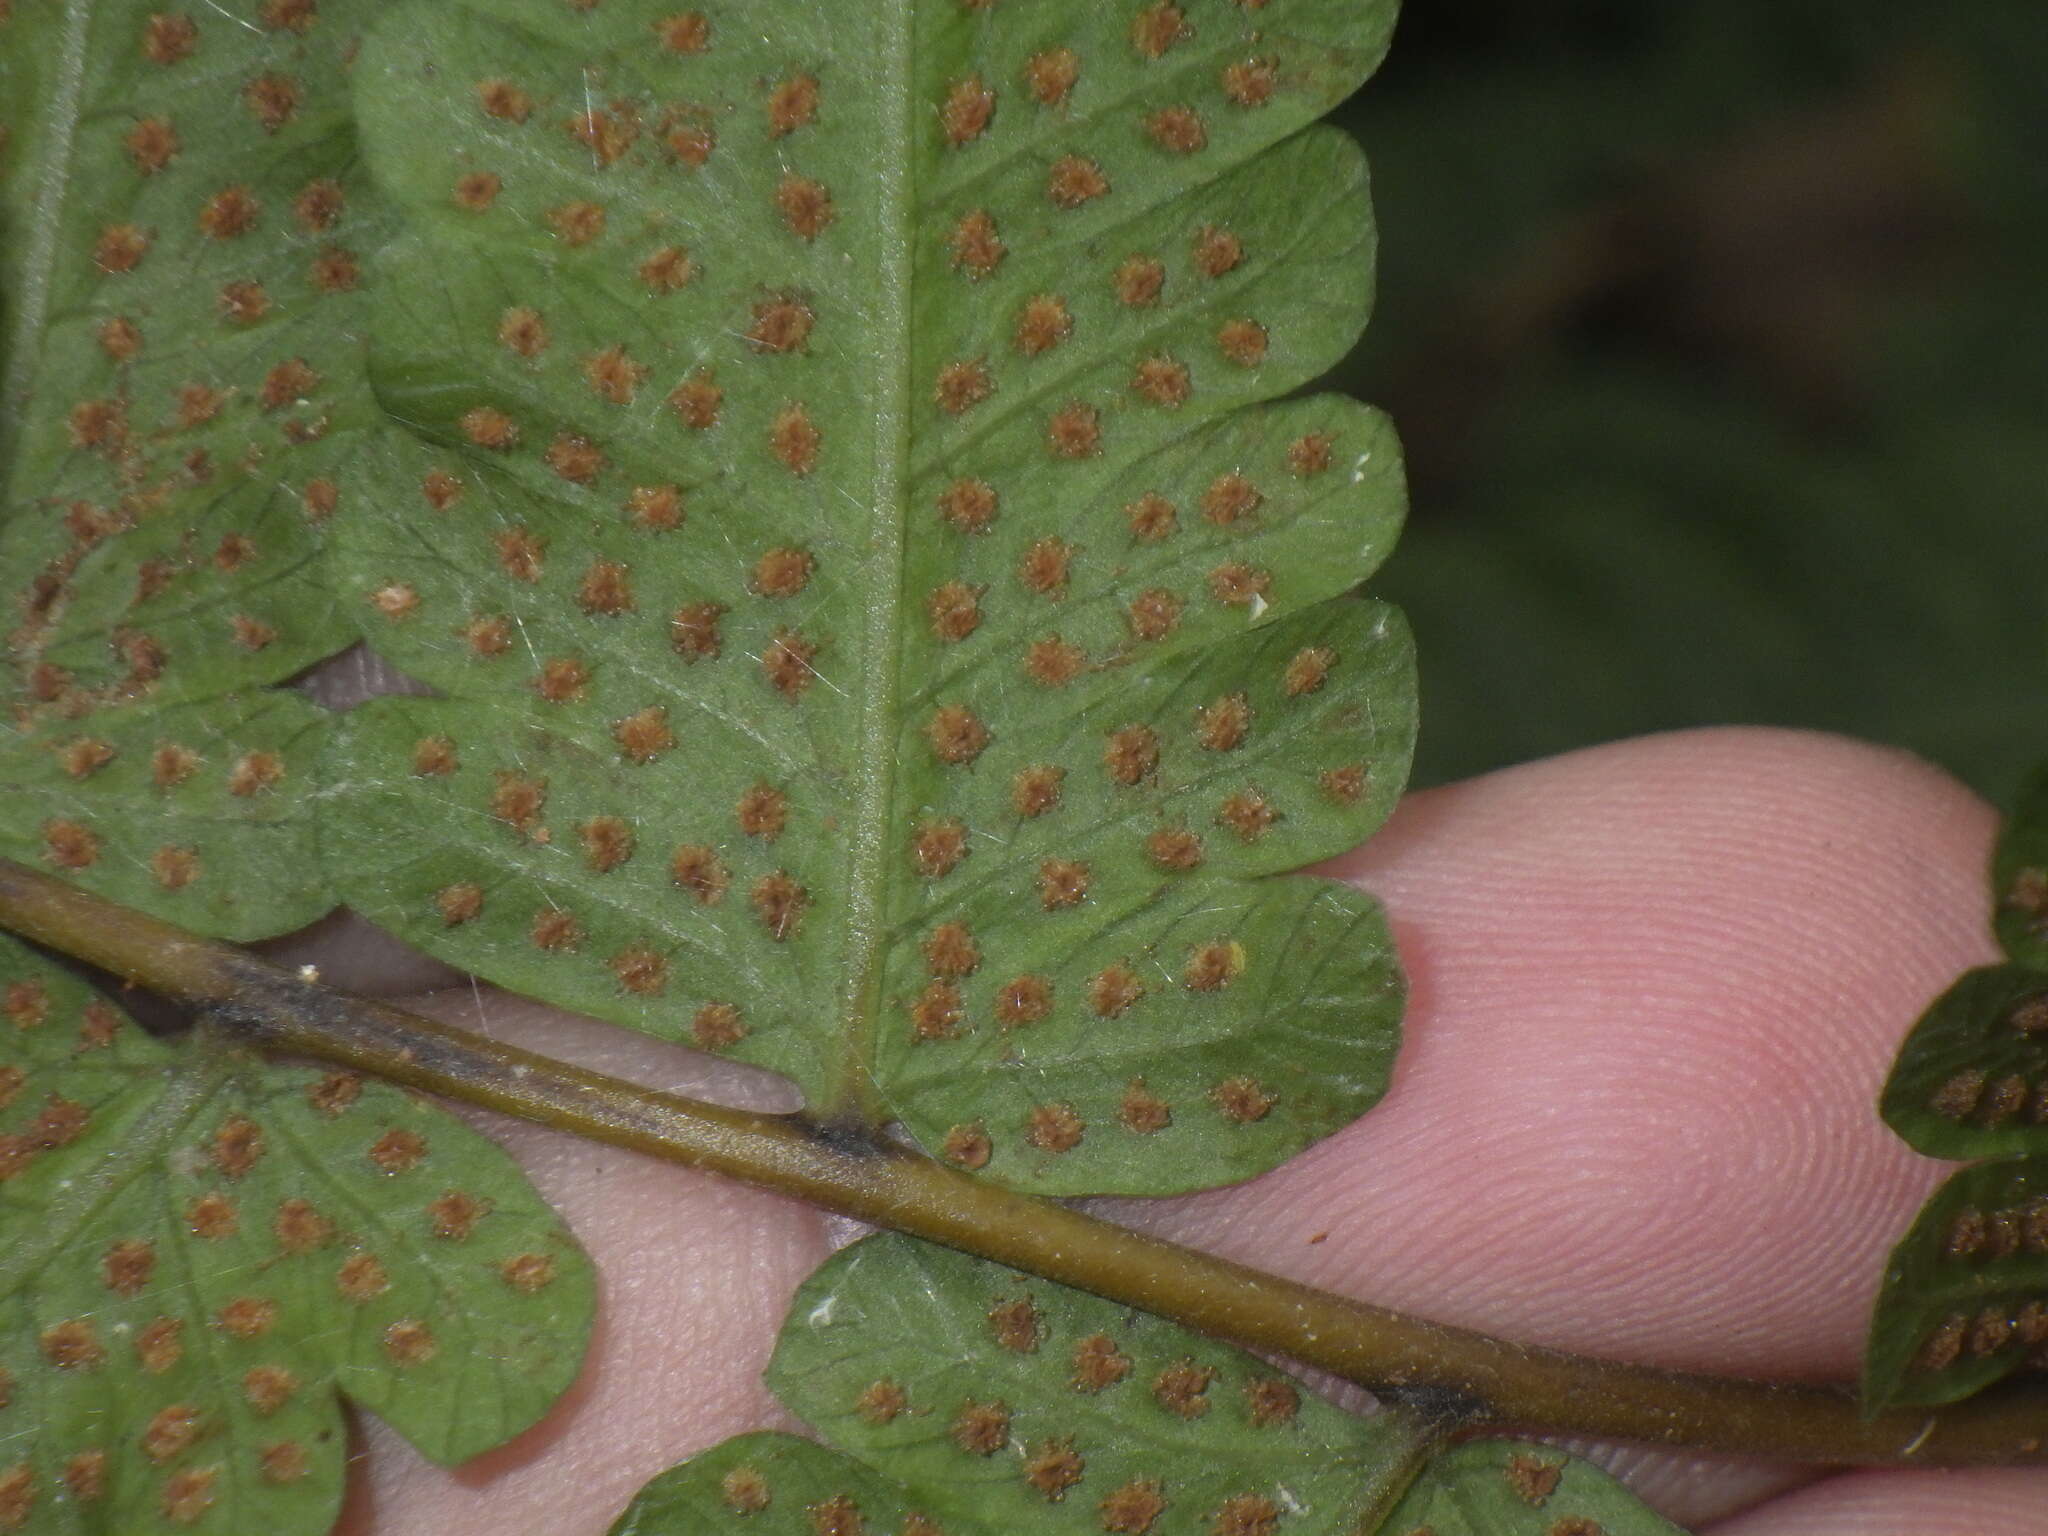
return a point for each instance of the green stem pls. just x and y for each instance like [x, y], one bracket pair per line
[1482, 1381]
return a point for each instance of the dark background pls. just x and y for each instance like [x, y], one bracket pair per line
[1716, 334]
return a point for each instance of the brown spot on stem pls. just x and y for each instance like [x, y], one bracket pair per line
[1309, 455]
[976, 248]
[409, 1342]
[577, 223]
[1074, 432]
[696, 401]
[1131, 754]
[1113, 989]
[1183, 1389]
[476, 191]
[172, 1431]
[1212, 967]
[1957, 1097]
[667, 269]
[954, 611]
[517, 801]
[237, 1146]
[607, 843]
[562, 680]
[783, 572]
[779, 902]
[1174, 848]
[805, 205]
[881, 1401]
[962, 385]
[936, 1012]
[1243, 342]
[1250, 82]
[1138, 282]
[969, 505]
[1157, 28]
[956, 734]
[950, 950]
[1343, 785]
[120, 248]
[1245, 1514]
[125, 1268]
[1531, 1479]
[937, 847]
[656, 508]
[763, 812]
[794, 440]
[299, 1227]
[319, 205]
[1023, 1000]
[503, 100]
[152, 144]
[1053, 1467]
[792, 104]
[1141, 1111]
[166, 39]
[273, 100]
[781, 324]
[607, 135]
[1177, 130]
[1131, 1509]
[1062, 883]
[1073, 181]
[700, 871]
[1051, 75]
[120, 339]
[967, 1146]
[1054, 1128]
[1223, 725]
[686, 32]
[693, 631]
[1017, 1326]
[188, 1495]
[574, 457]
[212, 1217]
[1036, 789]
[745, 1491]
[455, 1214]
[398, 1150]
[786, 663]
[1270, 1401]
[85, 1475]
[160, 1345]
[267, 1388]
[717, 1027]
[690, 142]
[1247, 813]
[640, 971]
[1053, 663]
[73, 1345]
[1230, 499]
[247, 1317]
[555, 929]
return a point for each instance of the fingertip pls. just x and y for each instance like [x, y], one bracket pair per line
[1656, 989]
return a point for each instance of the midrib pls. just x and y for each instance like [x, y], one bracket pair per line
[30, 303]
[852, 1093]
[40, 1248]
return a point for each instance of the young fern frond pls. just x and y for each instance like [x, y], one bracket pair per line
[1965, 1296]
[883, 636]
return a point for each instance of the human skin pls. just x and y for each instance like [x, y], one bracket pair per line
[1655, 988]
